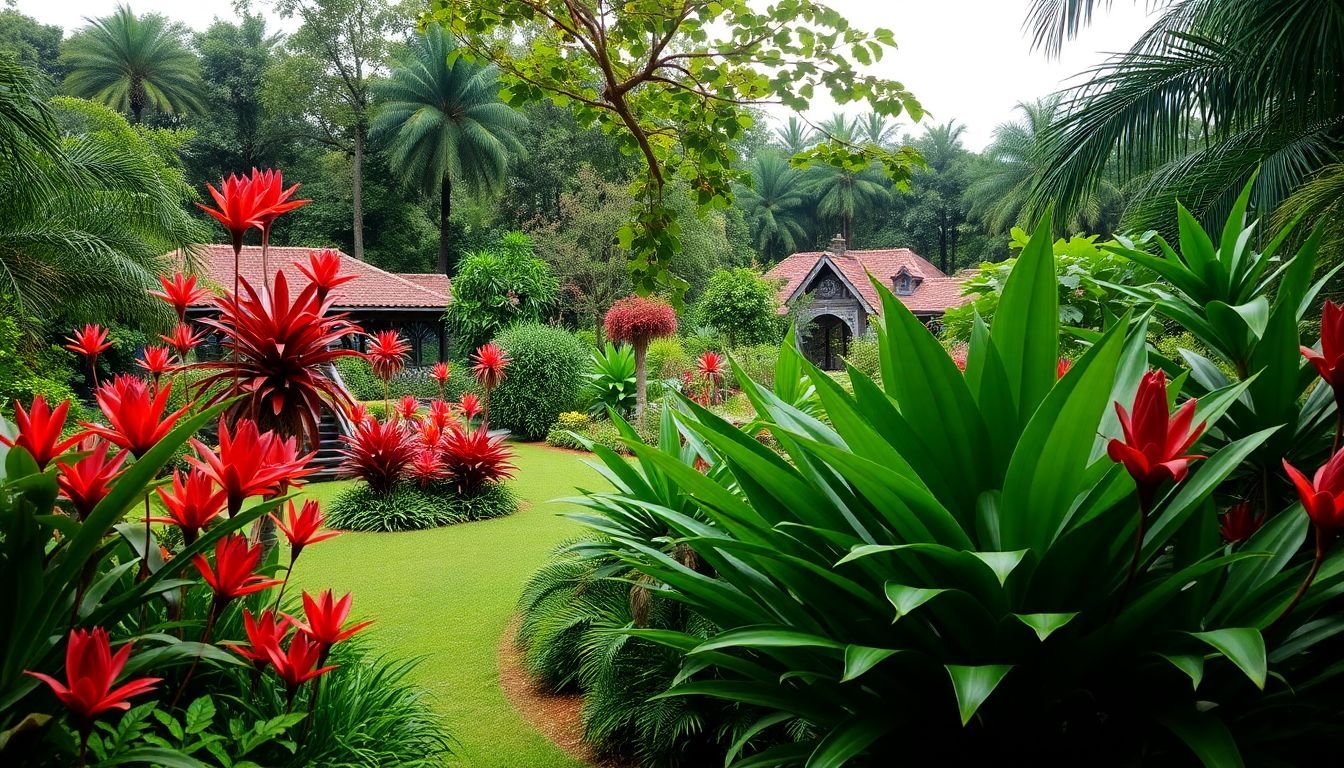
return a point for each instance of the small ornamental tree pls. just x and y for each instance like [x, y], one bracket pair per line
[639, 320]
[742, 305]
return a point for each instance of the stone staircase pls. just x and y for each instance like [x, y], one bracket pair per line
[328, 456]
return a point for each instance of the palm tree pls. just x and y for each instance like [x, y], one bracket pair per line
[444, 123]
[839, 128]
[130, 62]
[1214, 90]
[876, 129]
[1001, 190]
[794, 136]
[843, 195]
[773, 205]
[88, 217]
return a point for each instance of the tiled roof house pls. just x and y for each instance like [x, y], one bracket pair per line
[376, 299]
[840, 297]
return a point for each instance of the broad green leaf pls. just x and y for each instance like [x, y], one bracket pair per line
[1198, 252]
[1045, 624]
[1206, 736]
[159, 756]
[1243, 646]
[861, 658]
[766, 637]
[750, 732]
[1001, 563]
[848, 739]
[974, 684]
[906, 599]
[768, 695]
[1026, 323]
[1190, 664]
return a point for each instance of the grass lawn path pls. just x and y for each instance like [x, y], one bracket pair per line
[447, 594]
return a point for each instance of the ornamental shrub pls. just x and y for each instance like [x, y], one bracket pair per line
[639, 320]
[611, 380]
[668, 358]
[742, 305]
[544, 379]
[496, 288]
[409, 507]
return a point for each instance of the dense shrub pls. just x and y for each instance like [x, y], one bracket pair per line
[742, 305]
[496, 288]
[415, 381]
[757, 362]
[544, 379]
[668, 358]
[863, 356]
[408, 507]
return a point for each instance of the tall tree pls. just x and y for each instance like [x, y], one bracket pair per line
[444, 123]
[774, 206]
[675, 81]
[876, 129]
[339, 48]
[939, 208]
[131, 62]
[1214, 90]
[1000, 192]
[235, 58]
[842, 194]
[31, 43]
[794, 136]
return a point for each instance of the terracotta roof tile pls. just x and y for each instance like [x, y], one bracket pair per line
[372, 287]
[936, 292]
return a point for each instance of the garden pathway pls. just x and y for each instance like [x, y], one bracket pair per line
[448, 594]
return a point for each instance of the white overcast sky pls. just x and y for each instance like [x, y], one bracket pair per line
[963, 59]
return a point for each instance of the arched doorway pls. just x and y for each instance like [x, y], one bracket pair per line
[827, 342]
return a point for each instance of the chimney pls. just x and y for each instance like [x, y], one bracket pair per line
[837, 245]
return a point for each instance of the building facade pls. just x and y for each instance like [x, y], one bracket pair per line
[834, 299]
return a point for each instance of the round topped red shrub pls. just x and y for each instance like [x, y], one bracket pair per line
[639, 319]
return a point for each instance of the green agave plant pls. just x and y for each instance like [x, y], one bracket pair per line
[611, 382]
[949, 566]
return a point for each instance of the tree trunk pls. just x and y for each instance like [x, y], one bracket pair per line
[445, 213]
[137, 99]
[641, 381]
[357, 184]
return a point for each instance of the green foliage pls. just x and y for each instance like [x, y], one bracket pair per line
[864, 353]
[611, 381]
[544, 379]
[675, 87]
[91, 207]
[1087, 273]
[31, 43]
[668, 358]
[131, 63]
[775, 205]
[25, 373]
[415, 381]
[497, 287]
[742, 305]
[756, 362]
[980, 513]
[412, 508]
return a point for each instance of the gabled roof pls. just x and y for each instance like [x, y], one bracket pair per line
[935, 292]
[372, 287]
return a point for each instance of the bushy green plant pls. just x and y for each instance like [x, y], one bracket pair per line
[496, 288]
[742, 305]
[756, 362]
[951, 566]
[544, 378]
[863, 356]
[611, 380]
[407, 507]
[668, 358]
[493, 500]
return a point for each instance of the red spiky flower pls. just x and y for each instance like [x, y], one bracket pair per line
[1153, 449]
[89, 342]
[264, 632]
[474, 457]
[87, 482]
[470, 405]
[303, 527]
[1239, 523]
[407, 408]
[233, 574]
[191, 504]
[40, 430]
[441, 373]
[91, 669]
[324, 270]
[440, 414]
[326, 618]
[427, 467]
[183, 339]
[378, 452]
[357, 413]
[156, 361]
[179, 292]
[387, 354]
[244, 465]
[299, 664]
[489, 364]
[283, 345]
[273, 199]
[139, 418]
[241, 207]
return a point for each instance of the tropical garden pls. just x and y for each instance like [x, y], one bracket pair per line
[1089, 515]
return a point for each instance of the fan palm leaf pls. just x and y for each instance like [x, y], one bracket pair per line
[774, 205]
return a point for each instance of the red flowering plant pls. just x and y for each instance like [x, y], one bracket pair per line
[89, 342]
[378, 452]
[489, 363]
[475, 458]
[324, 270]
[179, 292]
[639, 320]
[441, 374]
[711, 366]
[387, 356]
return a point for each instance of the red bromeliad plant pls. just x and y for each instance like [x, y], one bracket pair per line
[440, 414]
[192, 504]
[378, 453]
[441, 374]
[89, 342]
[86, 482]
[156, 361]
[639, 320]
[240, 207]
[179, 292]
[274, 200]
[387, 356]
[283, 346]
[711, 367]
[474, 458]
[324, 270]
[183, 340]
[408, 409]
[489, 364]
[470, 405]
[245, 463]
[40, 431]
[427, 467]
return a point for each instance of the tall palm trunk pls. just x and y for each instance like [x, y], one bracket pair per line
[137, 98]
[357, 183]
[445, 213]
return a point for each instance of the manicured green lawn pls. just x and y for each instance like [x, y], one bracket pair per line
[448, 593]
